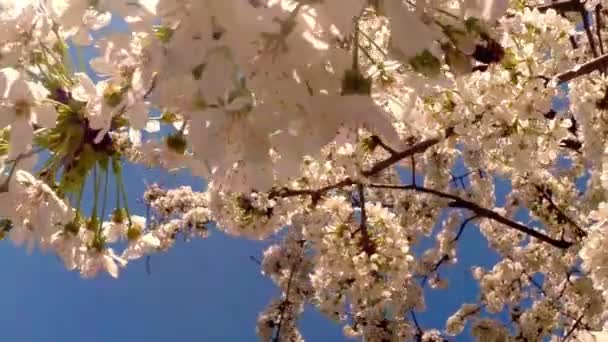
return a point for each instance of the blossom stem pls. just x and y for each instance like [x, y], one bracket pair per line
[79, 199]
[121, 186]
[96, 184]
[105, 198]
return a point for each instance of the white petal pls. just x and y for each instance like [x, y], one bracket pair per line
[7, 77]
[85, 88]
[488, 10]
[21, 137]
[138, 220]
[7, 115]
[110, 265]
[135, 136]
[82, 37]
[102, 67]
[46, 115]
[138, 115]
[152, 126]
[151, 241]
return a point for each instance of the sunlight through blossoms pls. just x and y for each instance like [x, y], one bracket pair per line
[333, 129]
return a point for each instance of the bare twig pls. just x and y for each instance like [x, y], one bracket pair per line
[419, 330]
[462, 226]
[574, 326]
[413, 158]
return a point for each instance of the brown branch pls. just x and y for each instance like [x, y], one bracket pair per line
[552, 300]
[315, 194]
[457, 202]
[598, 63]
[515, 225]
[378, 142]
[561, 6]
[417, 148]
[576, 323]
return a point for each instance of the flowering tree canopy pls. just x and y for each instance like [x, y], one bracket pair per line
[334, 127]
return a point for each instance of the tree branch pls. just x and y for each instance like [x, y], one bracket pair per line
[598, 63]
[598, 27]
[316, 194]
[561, 6]
[457, 202]
[417, 148]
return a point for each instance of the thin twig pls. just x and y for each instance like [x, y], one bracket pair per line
[418, 328]
[446, 257]
[462, 226]
[366, 243]
[413, 158]
[285, 303]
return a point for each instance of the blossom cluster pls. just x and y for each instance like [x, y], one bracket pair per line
[365, 137]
